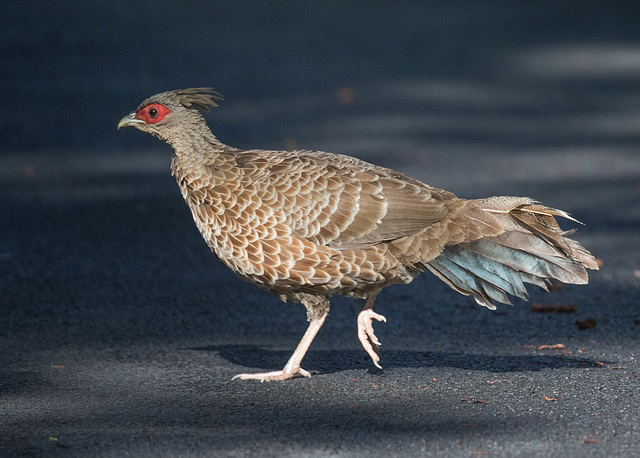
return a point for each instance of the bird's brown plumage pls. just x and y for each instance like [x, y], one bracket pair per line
[305, 225]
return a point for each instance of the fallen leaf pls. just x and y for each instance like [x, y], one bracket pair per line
[29, 170]
[556, 286]
[353, 406]
[547, 308]
[589, 323]
[346, 95]
[615, 368]
[550, 399]
[355, 380]
[57, 367]
[591, 441]
[465, 398]
[598, 362]
[481, 402]
[435, 379]
[551, 347]
[494, 381]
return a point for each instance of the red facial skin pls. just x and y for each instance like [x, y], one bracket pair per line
[147, 113]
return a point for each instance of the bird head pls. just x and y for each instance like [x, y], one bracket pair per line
[165, 113]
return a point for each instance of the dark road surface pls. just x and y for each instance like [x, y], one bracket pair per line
[121, 331]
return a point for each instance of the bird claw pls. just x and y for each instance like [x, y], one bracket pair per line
[273, 376]
[366, 335]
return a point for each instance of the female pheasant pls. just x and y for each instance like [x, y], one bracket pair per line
[305, 224]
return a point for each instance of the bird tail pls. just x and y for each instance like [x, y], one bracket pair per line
[532, 249]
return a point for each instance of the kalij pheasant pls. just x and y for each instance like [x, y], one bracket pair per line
[305, 224]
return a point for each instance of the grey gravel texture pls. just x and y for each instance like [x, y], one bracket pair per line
[121, 331]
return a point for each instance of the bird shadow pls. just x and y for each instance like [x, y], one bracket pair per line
[332, 361]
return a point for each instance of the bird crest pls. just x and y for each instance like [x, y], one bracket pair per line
[199, 97]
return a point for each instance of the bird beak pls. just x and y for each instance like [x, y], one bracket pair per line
[130, 120]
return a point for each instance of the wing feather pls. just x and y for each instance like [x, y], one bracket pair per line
[347, 203]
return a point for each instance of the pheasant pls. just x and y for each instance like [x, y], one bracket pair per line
[305, 225]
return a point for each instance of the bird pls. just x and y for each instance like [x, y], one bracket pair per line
[306, 225]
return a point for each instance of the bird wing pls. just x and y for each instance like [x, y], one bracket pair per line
[339, 201]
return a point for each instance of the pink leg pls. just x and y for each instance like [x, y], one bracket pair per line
[293, 365]
[366, 335]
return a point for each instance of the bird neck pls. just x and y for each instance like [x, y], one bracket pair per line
[195, 153]
[195, 141]
[195, 146]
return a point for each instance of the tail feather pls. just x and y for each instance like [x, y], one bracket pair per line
[523, 252]
[532, 250]
[540, 221]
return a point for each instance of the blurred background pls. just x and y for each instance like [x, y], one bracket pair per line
[397, 81]
[117, 322]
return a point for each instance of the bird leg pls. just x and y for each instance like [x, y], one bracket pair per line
[293, 365]
[366, 335]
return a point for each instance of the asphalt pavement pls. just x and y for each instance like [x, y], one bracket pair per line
[121, 331]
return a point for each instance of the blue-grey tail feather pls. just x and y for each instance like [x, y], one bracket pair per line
[492, 268]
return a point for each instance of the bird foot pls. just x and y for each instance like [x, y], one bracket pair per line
[284, 374]
[292, 368]
[366, 335]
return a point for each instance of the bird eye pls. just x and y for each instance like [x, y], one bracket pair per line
[153, 113]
